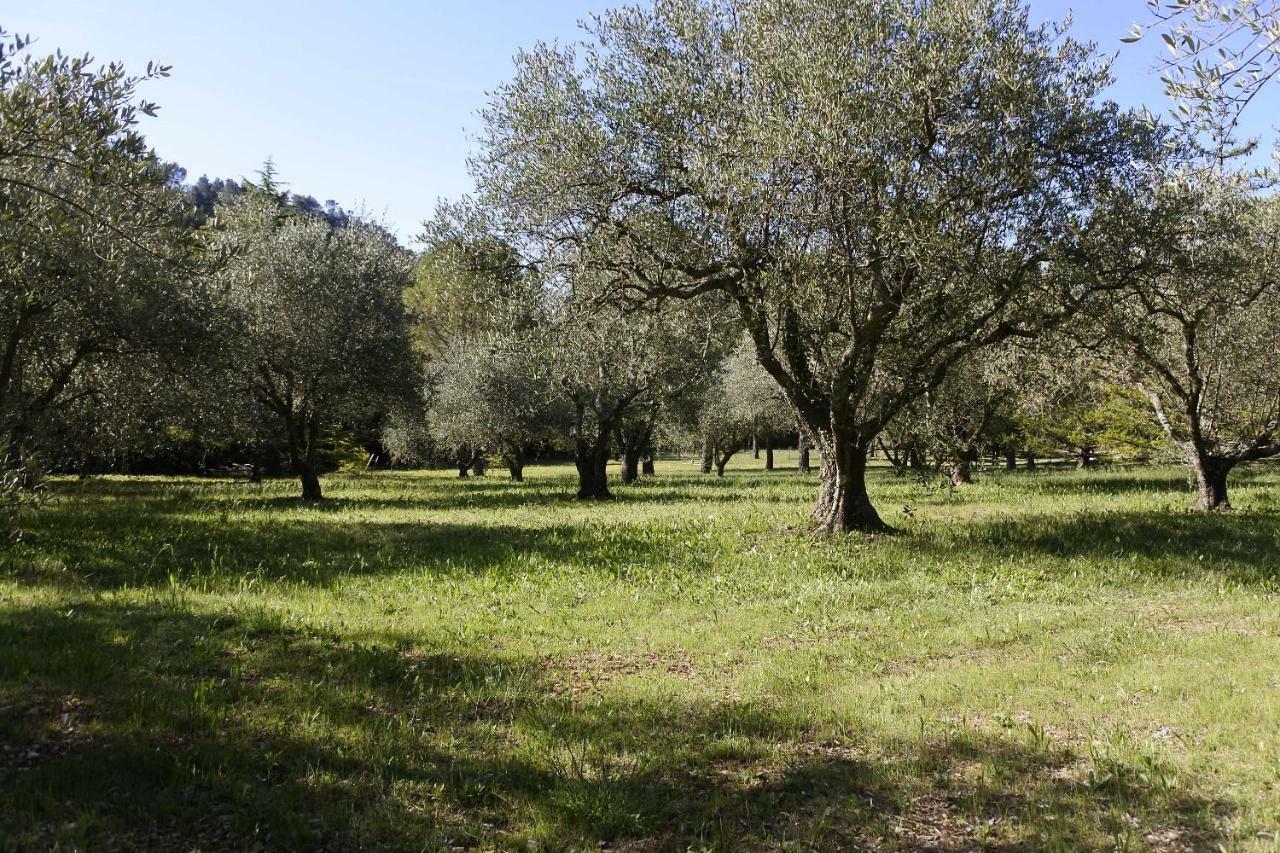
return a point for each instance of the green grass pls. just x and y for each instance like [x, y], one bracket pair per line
[1058, 660]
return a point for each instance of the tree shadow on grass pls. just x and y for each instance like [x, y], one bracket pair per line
[109, 534]
[1120, 479]
[426, 494]
[1103, 482]
[153, 727]
[516, 499]
[1243, 547]
[154, 550]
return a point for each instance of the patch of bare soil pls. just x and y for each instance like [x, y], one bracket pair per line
[1168, 619]
[591, 672]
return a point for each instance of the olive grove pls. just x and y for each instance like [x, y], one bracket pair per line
[912, 228]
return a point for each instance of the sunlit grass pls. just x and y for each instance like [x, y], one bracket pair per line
[1061, 659]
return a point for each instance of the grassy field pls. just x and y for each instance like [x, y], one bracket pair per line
[1056, 660]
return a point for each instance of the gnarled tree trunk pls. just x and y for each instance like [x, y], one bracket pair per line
[708, 454]
[634, 438]
[1211, 478]
[591, 457]
[304, 433]
[721, 457]
[843, 502]
[962, 467]
[1210, 469]
[310, 481]
[631, 465]
[514, 460]
[768, 453]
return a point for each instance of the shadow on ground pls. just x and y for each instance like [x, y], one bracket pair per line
[109, 533]
[420, 494]
[218, 554]
[152, 727]
[1242, 547]
[105, 534]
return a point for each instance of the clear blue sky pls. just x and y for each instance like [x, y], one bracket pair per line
[371, 103]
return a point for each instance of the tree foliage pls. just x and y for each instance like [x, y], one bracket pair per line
[1198, 336]
[1220, 57]
[495, 393]
[318, 330]
[97, 262]
[613, 365]
[881, 188]
[743, 404]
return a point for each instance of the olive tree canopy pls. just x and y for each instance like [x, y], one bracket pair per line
[881, 188]
[1198, 335]
[497, 393]
[96, 261]
[319, 328]
[614, 367]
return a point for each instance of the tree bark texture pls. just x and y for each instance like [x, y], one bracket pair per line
[631, 465]
[591, 457]
[843, 502]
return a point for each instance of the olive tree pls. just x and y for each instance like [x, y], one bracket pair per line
[724, 430]
[635, 436]
[320, 333]
[1198, 336]
[96, 262]
[673, 408]
[956, 420]
[743, 404]
[406, 436]
[491, 392]
[759, 400]
[880, 188]
[614, 365]
[614, 370]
